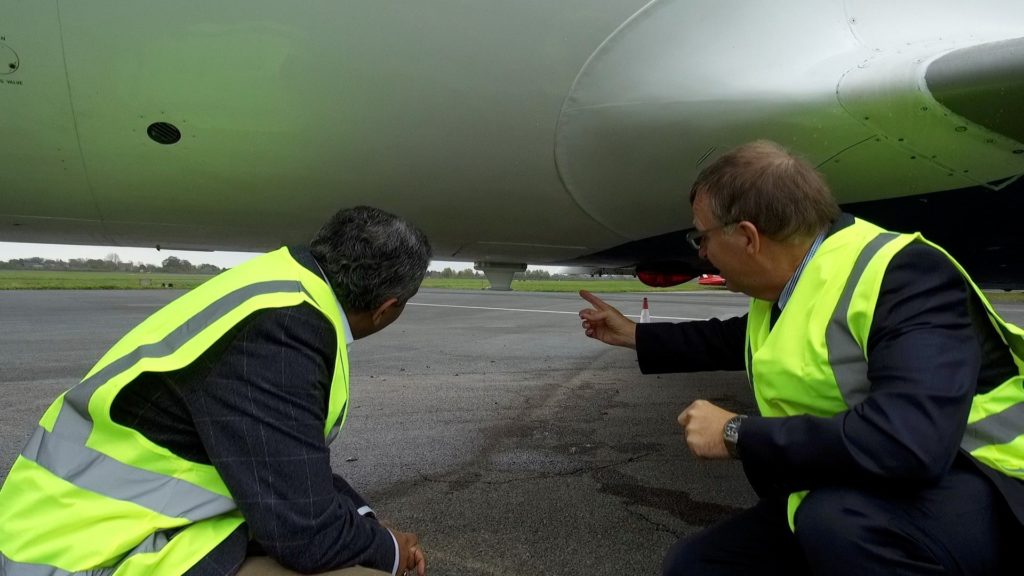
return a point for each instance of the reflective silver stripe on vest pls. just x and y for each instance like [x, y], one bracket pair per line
[64, 453]
[153, 543]
[335, 430]
[79, 396]
[750, 360]
[845, 356]
[97, 472]
[9, 567]
[999, 428]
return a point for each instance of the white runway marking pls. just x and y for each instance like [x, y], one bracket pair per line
[539, 311]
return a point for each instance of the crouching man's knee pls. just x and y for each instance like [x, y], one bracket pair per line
[683, 558]
[838, 527]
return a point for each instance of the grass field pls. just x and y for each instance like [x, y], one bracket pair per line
[47, 280]
[622, 285]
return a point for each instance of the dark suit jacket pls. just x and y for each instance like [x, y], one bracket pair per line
[254, 406]
[930, 350]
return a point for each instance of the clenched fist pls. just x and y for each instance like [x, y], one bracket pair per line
[703, 424]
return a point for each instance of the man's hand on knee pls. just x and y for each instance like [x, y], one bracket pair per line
[411, 559]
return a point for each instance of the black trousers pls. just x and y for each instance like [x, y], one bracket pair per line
[960, 526]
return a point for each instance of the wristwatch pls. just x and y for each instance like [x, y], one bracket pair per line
[731, 434]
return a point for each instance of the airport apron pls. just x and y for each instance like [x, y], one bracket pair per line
[815, 359]
[90, 495]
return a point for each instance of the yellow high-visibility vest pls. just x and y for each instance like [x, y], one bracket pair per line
[88, 494]
[820, 344]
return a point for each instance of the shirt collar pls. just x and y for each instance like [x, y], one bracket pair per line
[791, 285]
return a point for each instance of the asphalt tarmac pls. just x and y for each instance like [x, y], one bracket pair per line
[485, 422]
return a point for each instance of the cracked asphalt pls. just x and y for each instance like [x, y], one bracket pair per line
[483, 421]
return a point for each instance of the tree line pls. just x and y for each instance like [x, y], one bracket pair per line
[471, 273]
[111, 263]
[174, 265]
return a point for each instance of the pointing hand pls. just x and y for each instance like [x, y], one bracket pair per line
[605, 323]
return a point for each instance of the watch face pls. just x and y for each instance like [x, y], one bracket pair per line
[731, 434]
[732, 429]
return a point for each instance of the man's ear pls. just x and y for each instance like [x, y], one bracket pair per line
[751, 237]
[381, 313]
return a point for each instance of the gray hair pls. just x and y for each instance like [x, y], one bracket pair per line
[763, 183]
[370, 256]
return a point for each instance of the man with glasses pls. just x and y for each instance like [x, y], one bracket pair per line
[695, 237]
[890, 393]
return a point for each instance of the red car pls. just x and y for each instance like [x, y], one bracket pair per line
[711, 280]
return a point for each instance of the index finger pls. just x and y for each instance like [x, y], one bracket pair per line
[421, 563]
[594, 300]
[684, 416]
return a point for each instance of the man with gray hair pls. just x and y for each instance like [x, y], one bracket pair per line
[199, 443]
[888, 438]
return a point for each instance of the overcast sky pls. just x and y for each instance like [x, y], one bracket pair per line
[13, 250]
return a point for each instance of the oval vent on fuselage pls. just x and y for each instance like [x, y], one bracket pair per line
[163, 133]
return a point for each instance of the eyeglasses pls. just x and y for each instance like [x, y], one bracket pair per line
[694, 237]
